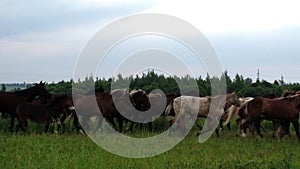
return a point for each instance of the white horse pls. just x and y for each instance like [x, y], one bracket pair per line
[200, 106]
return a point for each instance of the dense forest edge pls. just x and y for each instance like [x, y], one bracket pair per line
[244, 87]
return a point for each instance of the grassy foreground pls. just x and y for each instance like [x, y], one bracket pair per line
[77, 151]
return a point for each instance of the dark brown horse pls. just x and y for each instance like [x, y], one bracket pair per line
[283, 109]
[10, 100]
[83, 99]
[42, 113]
[86, 110]
[157, 106]
[106, 105]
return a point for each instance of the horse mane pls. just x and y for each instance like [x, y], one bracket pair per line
[154, 95]
[134, 92]
[288, 93]
[25, 91]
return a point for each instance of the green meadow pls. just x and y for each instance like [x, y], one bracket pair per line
[71, 150]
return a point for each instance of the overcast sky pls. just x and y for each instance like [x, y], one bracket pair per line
[41, 40]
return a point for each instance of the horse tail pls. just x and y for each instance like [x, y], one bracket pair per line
[20, 112]
[168, 110]
[242, 110]
[232, 112]
[17, 112]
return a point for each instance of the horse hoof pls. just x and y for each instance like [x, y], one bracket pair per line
[81, 132]
[243, 135]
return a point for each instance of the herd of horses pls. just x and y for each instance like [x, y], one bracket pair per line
[38, 105]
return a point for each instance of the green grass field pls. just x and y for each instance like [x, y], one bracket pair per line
[78, 151]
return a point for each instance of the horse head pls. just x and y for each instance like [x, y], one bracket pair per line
[140, 99]
[232, 99]
[40, 90]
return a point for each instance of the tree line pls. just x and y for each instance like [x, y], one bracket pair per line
[244, 87]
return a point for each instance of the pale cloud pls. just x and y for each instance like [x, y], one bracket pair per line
[40, 40]
[234, 15]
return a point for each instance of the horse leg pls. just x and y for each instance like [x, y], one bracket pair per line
[26, 123]
[198, 125]
[243, 124]
[296, 126]
[257, 127]
[21, 125]
[228, 126]
[111, 121]
[17, 127]
[76, 123]
[12, 122]
[47, 127]
[84, 123]
[238, 123]
[284, 128]
[99, 124]
[150, 125]
[120, 120]
[131, 126]
[141, 126]
[61, 127]
[275, 128]
[217, 132]
[221, 124]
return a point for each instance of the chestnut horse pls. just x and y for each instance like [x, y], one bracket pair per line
[283, 109]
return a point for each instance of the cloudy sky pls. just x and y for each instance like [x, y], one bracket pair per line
[41, 40]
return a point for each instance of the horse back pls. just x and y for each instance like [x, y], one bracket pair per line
[282, 109]
[9, 102]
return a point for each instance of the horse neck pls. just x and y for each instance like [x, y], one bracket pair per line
[57, 104]
[27, 93]
[170, 97]
[228, 104]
